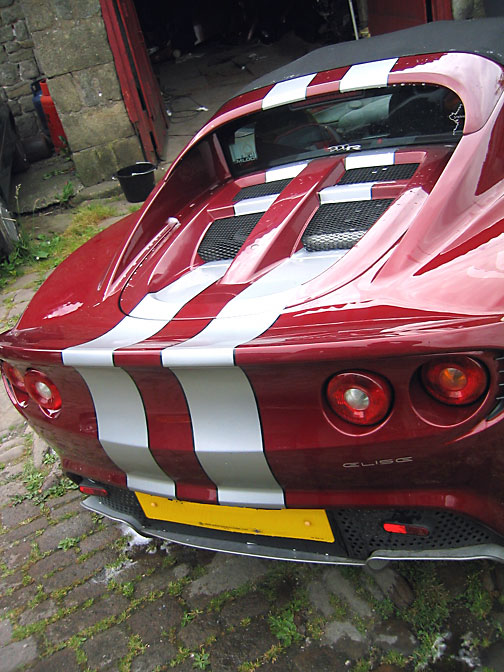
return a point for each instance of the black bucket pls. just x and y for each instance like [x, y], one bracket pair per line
[137, 181]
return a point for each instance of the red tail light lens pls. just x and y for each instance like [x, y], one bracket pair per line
[359, 397]
[42, 390]
[456, 380]
[14, 384]
[14, 376]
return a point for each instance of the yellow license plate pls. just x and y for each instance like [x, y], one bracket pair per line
[309, 524]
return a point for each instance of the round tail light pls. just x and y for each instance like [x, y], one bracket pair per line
[457, 380]
[359, 397]
[42, 390]
[14, 384]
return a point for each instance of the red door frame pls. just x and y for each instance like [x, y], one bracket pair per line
[385, 16]
[139, 86]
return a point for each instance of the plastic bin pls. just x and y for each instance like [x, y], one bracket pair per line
[137, 181]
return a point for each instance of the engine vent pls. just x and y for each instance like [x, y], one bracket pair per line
[363, 533]
[338, 226]
[265, 189]
[400, 171]
[225, 236]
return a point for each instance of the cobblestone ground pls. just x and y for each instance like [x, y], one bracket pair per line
[77, 592]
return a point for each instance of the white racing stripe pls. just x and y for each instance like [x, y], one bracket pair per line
[346, 192]
[287, 92]
[228, 437]
[250, 313]
[224, 415]
[122, 429]
[369, 160]
[249, 206]
[367, 75]
[285, 172]
[150, 316]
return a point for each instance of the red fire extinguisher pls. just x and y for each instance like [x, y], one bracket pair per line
[58, 136]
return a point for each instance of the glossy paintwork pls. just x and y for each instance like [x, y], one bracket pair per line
[425, 280]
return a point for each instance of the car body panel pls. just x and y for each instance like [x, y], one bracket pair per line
[204, 379]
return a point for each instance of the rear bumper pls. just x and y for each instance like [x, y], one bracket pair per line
[454, 537]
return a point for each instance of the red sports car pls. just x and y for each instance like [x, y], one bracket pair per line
[295, 349]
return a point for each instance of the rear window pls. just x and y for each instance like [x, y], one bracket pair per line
[348, 122]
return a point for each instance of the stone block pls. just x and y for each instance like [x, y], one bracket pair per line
[72, 46]
[26, 103]
[88, 167]
[12, 13]
[19, 89]
[15, 108]
[3, 54]
[23, 55]
[28, 70]
[225, 572]
[97, 126]
[99, 85]
[106, 647]
[61, 661]
[19, 654]
[127, 151]
[6, 34]
[6, 3]
[8, 74]
[98, 164]
[21, 31]
[11, 47]
[85, 618]
[27, 125]
[83, 9]
[39, 14]
[62, 9]
[65, 94]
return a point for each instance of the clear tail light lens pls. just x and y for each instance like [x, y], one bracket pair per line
[42, 390]
[457, 380]
[359, 397]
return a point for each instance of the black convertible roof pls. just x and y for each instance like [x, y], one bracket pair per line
[477, 36]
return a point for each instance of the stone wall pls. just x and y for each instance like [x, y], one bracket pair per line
[73, 52]
[18, 67]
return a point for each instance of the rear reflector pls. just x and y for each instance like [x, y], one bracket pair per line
[89, 489]
[402, 528]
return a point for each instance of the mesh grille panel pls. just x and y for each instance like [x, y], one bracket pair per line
[124, 501]
[266, 189]
[338, 226]
[363, 533]
[401, 171]
[225, 236]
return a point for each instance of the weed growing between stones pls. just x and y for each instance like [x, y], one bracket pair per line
[477, 599]
[68, 542]
[201, 660]
[283, 627]
[40, 252]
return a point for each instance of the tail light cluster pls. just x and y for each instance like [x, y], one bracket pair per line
[365, 398]
[456, 381]
[359, 397]
[33, 385]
